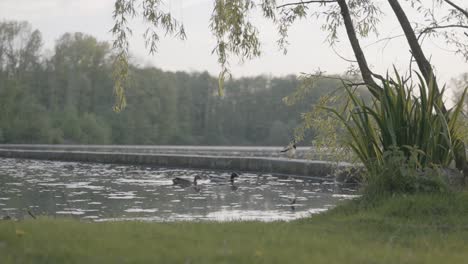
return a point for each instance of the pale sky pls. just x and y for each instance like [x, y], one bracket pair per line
[308, 50]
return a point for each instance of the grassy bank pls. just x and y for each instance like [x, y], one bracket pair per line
[402, 229]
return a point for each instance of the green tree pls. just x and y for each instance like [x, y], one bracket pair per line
[65, 99]
[236, 35]
[93, 130]
[19, 48]
[78, 65]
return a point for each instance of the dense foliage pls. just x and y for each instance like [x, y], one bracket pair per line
[403, 138]
[401, 119]
[66, 97]
[234, 25]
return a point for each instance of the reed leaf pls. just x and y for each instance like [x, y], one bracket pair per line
[416, 125]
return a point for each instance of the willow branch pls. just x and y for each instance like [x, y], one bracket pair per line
[341, 56]
[428, 29]
[463, 11]
[442, 27]
[307, 2]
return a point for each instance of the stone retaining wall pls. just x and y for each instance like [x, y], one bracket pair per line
[238, 151]
[234, 163]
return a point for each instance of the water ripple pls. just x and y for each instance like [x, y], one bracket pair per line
[107, 192]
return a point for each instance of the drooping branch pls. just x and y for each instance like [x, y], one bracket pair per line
[156, 18]
[443, 19]
[235, 34]
[345, 13]
[123, 10]
[307, 2]
[463, 11]
[366, 73]
[429, 29]
[444, 26]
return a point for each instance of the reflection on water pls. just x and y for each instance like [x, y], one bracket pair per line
[103, 192]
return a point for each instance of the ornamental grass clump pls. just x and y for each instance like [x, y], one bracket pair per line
[407, 127]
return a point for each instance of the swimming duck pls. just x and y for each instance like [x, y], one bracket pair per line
[233, 176]
[185, 182]
[68, 167]
[223, 179]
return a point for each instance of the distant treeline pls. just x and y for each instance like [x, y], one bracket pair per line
[67, 97]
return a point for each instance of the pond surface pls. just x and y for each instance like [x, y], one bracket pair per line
[106, 192]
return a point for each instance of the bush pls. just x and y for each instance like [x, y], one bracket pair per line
[401, 136]
[398, 174]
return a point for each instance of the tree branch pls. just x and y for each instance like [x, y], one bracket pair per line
[330, 77]
[426, 70]
[307, 2]
[342, 57]
[463, 11]
[422, 32]
[388, 39]
[366, 73]
[441, 27]
[426, 30]
[423, 64]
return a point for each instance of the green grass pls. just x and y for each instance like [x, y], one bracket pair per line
[401, 229]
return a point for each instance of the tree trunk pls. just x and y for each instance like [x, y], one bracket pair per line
[416, 50]
[426, 70]
[366, 73]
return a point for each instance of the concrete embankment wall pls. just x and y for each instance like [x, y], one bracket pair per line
[238, 151]
[234, 163]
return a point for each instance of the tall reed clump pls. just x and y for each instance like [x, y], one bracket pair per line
[403, 135]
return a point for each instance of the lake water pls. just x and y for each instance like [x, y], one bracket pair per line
[107, 192]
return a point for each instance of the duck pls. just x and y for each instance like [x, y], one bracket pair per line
[184, 182]
[233, 176]
[223, 179]
[290, 150]
[69, 167]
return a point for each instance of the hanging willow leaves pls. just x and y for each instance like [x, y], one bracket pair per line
[232, 27]
[235, 34]
[157, 20]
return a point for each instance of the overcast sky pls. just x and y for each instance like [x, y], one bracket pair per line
[307, 52]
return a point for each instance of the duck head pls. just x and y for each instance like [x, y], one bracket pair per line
[233, 176]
